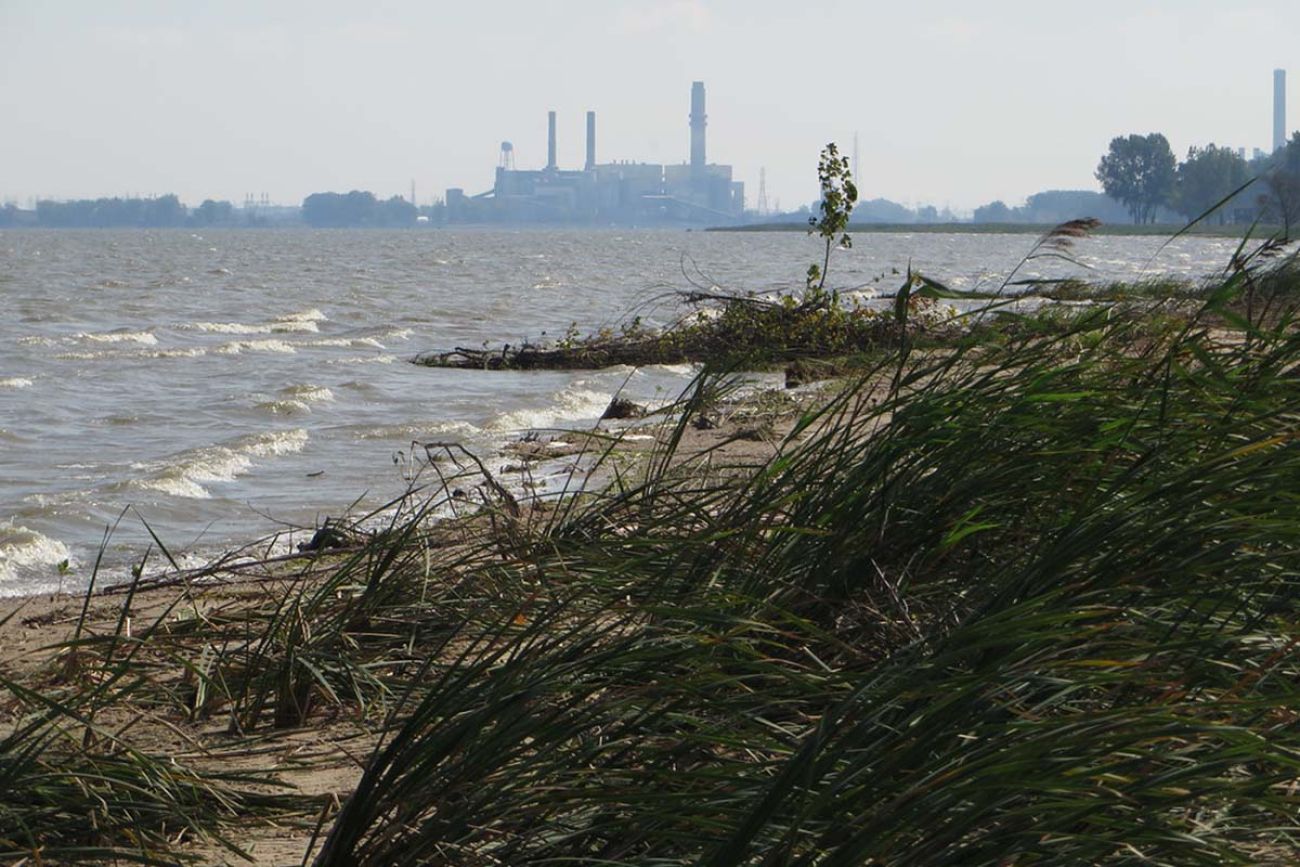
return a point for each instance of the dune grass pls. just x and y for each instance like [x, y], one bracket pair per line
[1023, 597]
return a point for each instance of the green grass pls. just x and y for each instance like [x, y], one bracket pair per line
[1027, 595]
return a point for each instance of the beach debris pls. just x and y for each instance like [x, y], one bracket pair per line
[621, 408]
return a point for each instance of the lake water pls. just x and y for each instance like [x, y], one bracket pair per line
[226, 384]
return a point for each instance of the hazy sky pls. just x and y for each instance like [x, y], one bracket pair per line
[955, 103]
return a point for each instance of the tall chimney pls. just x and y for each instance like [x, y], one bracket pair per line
[1279, 109]
[698, 122]
[550, 141]
[591, 140]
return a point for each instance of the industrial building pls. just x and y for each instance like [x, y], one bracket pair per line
[623, 193]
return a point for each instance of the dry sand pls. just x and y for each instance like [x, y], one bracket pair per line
[324, 758]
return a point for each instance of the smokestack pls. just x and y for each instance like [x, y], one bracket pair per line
[1279, 109]
[550, 140]
[591, 140]
[698, 122]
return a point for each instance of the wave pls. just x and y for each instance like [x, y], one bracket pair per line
[235, 347]
[123, 354]
[25, 550]
[308, 393]
[352, 342]
[364, 359]
[296, 399]
[283, 407]
[304, 321]
[144, 338]
[184, 475]
[416, 430]
[15, 382]
[571, 404]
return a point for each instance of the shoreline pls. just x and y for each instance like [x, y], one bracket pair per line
[971, 560]
[38, 632]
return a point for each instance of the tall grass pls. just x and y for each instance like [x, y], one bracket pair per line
[1027, 597]
[1029, 601]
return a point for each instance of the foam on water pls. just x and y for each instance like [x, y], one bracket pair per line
[283, 407]
[420, 430]
[144, 338]
[350, 342]
[572, 404]
[128, 354]
[364, 359]
[235, 347]
[226, 328]
[308, 393]
[26, 551]
[15, 382]
[184, 475]
[305, 321]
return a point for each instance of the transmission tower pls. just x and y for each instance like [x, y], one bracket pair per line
[762, 191]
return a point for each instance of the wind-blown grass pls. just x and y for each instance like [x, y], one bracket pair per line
[1031, 602]
[1027, 596]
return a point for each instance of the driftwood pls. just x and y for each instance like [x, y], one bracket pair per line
[586, 356]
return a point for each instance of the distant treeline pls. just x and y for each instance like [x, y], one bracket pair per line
[151, 213]
[326, 210]
[1146, 184]
[357, 208]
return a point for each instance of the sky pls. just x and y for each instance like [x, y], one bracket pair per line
[954, 103]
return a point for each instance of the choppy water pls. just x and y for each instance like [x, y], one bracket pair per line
[225, 383]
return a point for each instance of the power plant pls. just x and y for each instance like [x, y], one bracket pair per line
[624, 193]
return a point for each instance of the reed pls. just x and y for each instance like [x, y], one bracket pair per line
[1028, 601]
[1026, 594]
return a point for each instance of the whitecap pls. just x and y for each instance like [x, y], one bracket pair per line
[27, 550]
[15, 382]
[142, 337]
[308, 393]
[283, 407]
[226, 328]
[572, 404]
[364, 359]
[184, 475]
[235, 347]
[420, 430]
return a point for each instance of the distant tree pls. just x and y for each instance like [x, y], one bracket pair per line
[1280, 203]
[1059, 206]
[397, 211]
[1206, 177]
[356, 209]
[882, 211]
[1140, 171]
[994, 212]
[212, 213]
[161, 212]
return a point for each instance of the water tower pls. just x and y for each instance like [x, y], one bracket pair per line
[507, 160]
